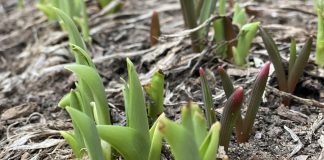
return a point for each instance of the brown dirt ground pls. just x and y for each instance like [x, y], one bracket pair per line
[32, 80]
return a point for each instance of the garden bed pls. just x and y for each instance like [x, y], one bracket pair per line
[33, 52]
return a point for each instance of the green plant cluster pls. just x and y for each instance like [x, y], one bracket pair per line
[198, 135]
[287, 83]
[231, 116]
[235, 47]
[197, 12]
[76, 10]
[95, 137]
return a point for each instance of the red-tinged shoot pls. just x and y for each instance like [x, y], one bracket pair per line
[220, 69]
[243, 131]
[230, 113]
[264, 71]
[201, 71]
[155, 28]
[238, 96]
[226, 81]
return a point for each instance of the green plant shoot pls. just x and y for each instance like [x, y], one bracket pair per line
[155, 90]
[135, 141]
[207, 97]
[246, 36]
[194, 142]
[74, 9]
[243, 126]
[319, 7]
[296, 64]
[219, 29]
[240, 17]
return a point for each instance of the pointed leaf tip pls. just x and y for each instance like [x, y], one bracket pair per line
[161, 72]
[155, 14]
[220, 69]
[238, 96]
[201, 71]
[265, 70]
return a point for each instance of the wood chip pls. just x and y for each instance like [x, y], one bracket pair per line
[292, 115]
[18, 111]
[296, 139]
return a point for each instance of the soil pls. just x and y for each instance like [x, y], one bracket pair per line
[33, 52]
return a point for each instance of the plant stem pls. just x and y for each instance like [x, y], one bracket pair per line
[189, 16]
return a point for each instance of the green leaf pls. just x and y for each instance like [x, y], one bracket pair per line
[207, 9]
[86, 97]
[181, 141]
[46, 10]
[246, 36]
[226, 82]
[65, 101]
[219, 29]
[222, 7]
[103, 3]
[82, 55]
[207, 97]
[198, 6]
[208, 149]
[187, 117]
[298, 68]
[240, 17]
[113, 7]
[200, 127]
[156, 141]
[89, 133]
[155, 91]
[292, 57]
[74, 35]
[73, 142]
[190, 18]
[136, 109]
[74, 101]
[93, 80]
[130, 143]
[81, 17]
[275, 59]
[219, 36]
[320, 38]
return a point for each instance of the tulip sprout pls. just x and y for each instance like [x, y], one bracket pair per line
[319, 7]
[75, 9]
[296, 64]
[231, 116]
[155, 31]
[155, 91]
[190, 140]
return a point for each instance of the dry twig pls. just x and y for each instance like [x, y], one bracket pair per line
[308, 102]
[296, 139]
[189, 31]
